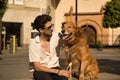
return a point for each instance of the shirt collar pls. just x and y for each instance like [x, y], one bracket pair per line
[37, 39]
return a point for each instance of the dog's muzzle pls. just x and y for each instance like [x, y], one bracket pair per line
[65, 36]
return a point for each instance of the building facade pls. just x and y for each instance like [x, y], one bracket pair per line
[18, 19]
[90, 15]
[21, 13]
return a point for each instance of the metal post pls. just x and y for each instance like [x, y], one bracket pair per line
[76, 19]
[4, 38]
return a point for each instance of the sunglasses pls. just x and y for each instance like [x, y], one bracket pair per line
[49, 27]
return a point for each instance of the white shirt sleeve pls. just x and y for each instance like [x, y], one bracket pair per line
[33, 52]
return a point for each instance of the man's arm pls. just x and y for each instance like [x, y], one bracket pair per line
[38, 67]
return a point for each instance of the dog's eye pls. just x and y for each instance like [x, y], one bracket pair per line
[69, 27]
[62, 27]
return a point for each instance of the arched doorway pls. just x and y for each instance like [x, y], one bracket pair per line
[90, 34]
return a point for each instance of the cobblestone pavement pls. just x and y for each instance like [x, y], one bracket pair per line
[16, 66]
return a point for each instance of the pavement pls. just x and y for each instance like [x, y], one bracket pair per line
[16, 66]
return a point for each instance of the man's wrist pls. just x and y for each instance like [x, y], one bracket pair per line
[58, 72]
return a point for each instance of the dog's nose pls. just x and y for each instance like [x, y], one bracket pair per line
[63, 31]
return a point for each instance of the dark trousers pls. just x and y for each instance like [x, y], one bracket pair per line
[40, 75]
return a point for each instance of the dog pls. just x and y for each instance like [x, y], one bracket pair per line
[74, 44]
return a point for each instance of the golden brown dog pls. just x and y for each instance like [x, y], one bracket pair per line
[84, 66]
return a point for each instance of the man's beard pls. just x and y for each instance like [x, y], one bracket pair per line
[48, 37]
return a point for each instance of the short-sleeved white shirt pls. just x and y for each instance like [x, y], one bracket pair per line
[36, 54]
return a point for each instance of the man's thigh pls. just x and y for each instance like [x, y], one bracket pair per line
[39, 75]
[57, 77]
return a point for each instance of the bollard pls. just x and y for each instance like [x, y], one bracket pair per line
[13, 44]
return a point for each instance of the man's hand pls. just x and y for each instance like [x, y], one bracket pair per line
[64, 73]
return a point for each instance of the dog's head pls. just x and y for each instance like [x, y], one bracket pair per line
[68, 32]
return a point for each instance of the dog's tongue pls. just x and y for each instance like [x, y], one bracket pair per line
[64, 37]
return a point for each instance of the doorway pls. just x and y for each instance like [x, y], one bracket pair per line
[90, 34]
[13, 28]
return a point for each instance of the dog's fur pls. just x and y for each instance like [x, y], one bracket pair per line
[77, 52]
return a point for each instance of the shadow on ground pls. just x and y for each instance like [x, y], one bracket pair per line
[105, 65]
[109, 66]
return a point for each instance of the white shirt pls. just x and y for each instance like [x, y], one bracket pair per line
[36, 54]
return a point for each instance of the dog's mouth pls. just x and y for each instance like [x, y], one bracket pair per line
[65, 36]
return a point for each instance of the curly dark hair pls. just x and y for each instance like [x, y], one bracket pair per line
[40, 21]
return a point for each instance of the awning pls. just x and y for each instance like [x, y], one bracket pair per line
[12, 15]
[19, 15]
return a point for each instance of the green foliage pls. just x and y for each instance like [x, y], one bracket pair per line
[3, 7]
[99, 44]
[112, 14]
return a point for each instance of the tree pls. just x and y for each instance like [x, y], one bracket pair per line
[3, 7]
[112, 14]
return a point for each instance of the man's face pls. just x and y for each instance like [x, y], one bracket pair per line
[48, 29]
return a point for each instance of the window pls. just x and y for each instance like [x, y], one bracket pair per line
[16, 2]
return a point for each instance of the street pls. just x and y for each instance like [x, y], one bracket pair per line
[16, 66]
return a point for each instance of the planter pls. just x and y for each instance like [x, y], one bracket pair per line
[99, 45]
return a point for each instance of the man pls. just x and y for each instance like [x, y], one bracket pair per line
[42, 52]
